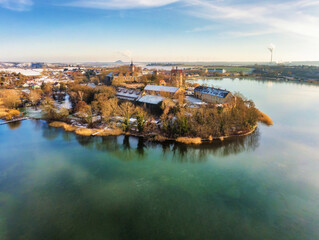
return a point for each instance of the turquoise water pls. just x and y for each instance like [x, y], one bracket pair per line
[56, 185]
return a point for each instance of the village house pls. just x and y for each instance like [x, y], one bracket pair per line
[152, 102]
[213, 95]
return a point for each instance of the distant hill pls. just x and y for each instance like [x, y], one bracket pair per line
[119, 62]
[23, 64]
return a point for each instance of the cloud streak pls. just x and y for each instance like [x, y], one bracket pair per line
[120, 4]
[16, 5]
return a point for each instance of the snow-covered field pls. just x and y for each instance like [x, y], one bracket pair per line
[24, 71]
[46, 80]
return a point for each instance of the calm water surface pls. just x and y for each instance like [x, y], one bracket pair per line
[56, 185]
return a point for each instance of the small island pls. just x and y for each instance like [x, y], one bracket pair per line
[126, 101]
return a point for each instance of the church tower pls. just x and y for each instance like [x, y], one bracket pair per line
[132, 67]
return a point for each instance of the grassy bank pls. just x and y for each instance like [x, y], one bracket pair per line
[158, 138]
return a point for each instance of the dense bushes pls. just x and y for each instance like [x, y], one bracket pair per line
[52, 112]
[211, 121]
[88, 94]
[12, 114]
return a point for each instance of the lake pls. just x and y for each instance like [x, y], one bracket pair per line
[56, 185]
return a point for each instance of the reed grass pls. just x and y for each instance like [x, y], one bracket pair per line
[186, 140]
[65, 126]
[110, 132]
[86, 132]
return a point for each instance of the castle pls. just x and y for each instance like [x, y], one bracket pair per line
[130, 76]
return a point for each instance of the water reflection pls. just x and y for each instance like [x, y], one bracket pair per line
[88, 142]
[38, 124]
[107, 144]
[50, 133]
[129, 148]
[200, 153]
[126, 143]
[14, 125]
[67, 136]
[140, 147]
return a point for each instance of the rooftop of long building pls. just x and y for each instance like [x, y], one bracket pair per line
[151, 99]
[128, 94]
[212, 91]
[157, 88]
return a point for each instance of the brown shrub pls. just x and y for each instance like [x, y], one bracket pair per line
[189, 140]
[3, 113]
[11, 98]
[57, 124]
[12, 114]
[264, 118]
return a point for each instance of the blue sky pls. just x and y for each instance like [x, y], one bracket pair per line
[158, 30]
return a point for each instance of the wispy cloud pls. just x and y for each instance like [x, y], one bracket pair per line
[127, 54]
[119, 4]
[16, 5]
[202, 29]
[250, 33]
[290, 17]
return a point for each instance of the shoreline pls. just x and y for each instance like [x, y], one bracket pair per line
[256, 78]
[154, 137]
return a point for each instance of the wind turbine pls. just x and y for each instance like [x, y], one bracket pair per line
[271, 48]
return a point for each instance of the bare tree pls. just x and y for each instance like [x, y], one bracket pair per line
[11, 99]
[126, 110]
[34, 97]
[80, 94]
[109, 108]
